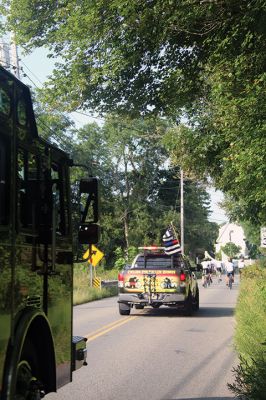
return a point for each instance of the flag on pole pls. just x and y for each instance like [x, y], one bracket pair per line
[171, 243]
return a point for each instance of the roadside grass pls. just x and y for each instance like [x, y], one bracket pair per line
[83, 293]
[250, 334]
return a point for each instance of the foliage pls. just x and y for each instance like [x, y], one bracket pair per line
[140, 191]
[250, 339]
[251, 313]
[231, 249]
[122, 258]
[250, 380]
[203, 60]
[83, 293]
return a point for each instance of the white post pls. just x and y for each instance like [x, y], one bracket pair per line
[14, 56]
[182, 209]
[90, 275]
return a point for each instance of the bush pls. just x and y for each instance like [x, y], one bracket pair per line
[250, 380]
[83, 293]
[250, 335]
[251, 313]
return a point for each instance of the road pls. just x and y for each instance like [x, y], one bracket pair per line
[156, 354]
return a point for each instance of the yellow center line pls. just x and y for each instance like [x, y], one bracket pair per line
[107, 328]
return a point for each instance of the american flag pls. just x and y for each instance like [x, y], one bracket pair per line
[171, 243]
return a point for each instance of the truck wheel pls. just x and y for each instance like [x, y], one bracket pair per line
[196, 301]
[124, 309]
[139, 306]
[188, 307]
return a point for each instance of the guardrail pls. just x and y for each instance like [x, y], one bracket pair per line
[109, 283]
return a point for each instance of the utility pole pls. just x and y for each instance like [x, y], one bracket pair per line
[14, 56]
[9, 55]
[4, 54]
[182, 209]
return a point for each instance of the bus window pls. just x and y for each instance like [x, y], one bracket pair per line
[5, 104]
[61, 218]
[27, 189]
[22, 112]
[4, 183]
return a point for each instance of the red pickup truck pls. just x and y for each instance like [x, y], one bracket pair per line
[156, 279]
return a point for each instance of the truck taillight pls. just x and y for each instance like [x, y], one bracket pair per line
[121, 277]
[182, 277]
[120, 280]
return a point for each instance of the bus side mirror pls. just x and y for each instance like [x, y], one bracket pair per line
[89, 231]
[89, 234]
[88, 189]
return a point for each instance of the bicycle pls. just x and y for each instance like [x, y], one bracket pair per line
[219, 275]
[206, 279]
[230, 280]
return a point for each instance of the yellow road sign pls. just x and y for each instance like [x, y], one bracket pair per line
[95, 257]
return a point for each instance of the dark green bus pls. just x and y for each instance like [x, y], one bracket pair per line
[37, 351]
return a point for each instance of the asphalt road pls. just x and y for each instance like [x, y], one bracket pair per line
[156, 354]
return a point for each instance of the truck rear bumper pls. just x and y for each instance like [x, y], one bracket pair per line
[159, 299]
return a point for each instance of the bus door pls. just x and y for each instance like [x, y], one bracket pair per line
[60, 260]
[44, 247]
[5, 252]
[28, 287]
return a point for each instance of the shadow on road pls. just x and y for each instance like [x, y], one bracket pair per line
[204, 398]
[204, 312]
[213, 312]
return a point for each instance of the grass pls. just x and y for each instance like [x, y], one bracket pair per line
[250, 335]
[83, 293]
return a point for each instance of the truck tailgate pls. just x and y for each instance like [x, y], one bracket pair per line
[159, 281]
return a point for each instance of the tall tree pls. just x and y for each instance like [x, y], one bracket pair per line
[139, 190]
[140, 55]
[202, 58]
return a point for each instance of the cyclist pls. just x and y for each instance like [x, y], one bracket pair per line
[229, 268]
[206, 272]
[218, 267]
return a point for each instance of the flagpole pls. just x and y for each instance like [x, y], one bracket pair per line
[182, 210]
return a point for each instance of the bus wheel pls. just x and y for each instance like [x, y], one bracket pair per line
[27, 386]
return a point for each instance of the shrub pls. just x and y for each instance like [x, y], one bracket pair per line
[250, 380]
[83, 293]
[251, 313]
[250, 335]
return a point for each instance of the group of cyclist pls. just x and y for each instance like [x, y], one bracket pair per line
[211, 266]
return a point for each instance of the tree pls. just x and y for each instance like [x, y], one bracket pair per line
[205, 60]
[139, 190]
[137, 56]
[231, 249]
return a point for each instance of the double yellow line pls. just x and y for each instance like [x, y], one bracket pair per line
[107, 328]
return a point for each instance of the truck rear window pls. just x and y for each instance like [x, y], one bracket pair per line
[158, 262]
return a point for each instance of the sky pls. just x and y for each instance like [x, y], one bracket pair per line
[38, 67]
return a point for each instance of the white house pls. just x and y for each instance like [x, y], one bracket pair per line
[231, 233]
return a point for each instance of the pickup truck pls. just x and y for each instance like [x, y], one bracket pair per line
[156, 279]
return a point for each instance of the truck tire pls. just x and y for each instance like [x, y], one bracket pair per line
[188, 306]
[124, 309]
[196, 301]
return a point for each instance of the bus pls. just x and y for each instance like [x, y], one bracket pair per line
[38, 352]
